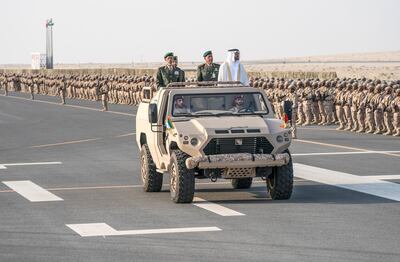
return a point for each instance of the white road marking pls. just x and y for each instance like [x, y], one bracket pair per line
[31, 164]
[102, 229]
[215, 208]
[385, 177]
[362, 184]
[124, 135]
[3, 167]
[344, 153]
[66, 143]
[340, 146]
[31, 191]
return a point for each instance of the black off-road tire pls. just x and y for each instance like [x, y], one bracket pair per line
[280, 182]
[152, 180]
[182, 181]
[242, 183]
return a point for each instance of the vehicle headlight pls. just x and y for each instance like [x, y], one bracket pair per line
[194, 141]
[279, 139]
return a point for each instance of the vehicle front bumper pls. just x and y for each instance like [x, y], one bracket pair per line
[239, 160]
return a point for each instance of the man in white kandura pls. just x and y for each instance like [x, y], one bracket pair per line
[232, 69]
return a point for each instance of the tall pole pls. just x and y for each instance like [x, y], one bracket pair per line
[49, 43]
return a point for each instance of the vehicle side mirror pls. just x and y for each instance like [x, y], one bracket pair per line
[153, 113]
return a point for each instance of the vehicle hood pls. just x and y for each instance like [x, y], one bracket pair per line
[208, 125]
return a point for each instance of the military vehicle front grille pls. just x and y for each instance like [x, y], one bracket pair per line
[252, 145]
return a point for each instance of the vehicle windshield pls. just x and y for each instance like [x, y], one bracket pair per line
[219, 104]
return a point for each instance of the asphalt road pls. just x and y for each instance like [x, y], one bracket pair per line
[86, 162]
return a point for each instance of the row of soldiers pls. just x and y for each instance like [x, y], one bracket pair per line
[116, 89]
[358, 105]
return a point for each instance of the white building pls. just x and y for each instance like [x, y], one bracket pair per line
[38, 60]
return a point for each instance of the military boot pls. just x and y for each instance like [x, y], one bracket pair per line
[355, 128]
[370, 131]
[349, 127]
[388, 133]
[378, 131]
[341, 127]
[361, 130]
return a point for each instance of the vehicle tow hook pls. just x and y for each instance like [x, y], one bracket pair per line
[214, 179]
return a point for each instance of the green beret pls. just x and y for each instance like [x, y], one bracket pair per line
[168, 54]
[207, 53]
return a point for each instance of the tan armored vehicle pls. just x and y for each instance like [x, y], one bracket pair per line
[208, 130]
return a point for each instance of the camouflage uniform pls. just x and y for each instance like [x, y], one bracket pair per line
[369, 110]
[359, 103]
[354, 107]
[378, 111]
[395, 105]
[307, 103]
[339, 102]
[347, 100]
[300, 112]
[387, 110]
[62, 88]
[104, 89]
[316, 100]
[292, 97]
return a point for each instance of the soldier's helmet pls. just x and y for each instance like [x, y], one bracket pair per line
[397, 90]
[388, 90]
[371, 88]
[265, 85]
[287, 84]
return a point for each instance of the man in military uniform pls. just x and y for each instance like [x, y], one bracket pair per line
[387, 110]
[378, 112]
[360, 105]
[339, 102]
[369, 111]
[209, 70]
[62, 88]
[293, 98]
[169, 73]
[307, 103]
[104, 88]
[395, 105]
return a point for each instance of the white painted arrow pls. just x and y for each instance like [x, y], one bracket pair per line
[102, 229]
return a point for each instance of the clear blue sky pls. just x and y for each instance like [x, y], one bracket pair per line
[122, 31]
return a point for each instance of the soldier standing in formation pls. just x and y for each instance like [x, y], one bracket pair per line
[62, 88]
[104, 94]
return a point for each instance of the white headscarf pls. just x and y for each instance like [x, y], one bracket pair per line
[235, 68]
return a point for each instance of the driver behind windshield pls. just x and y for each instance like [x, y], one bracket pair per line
[179, 106]
[237, 103]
